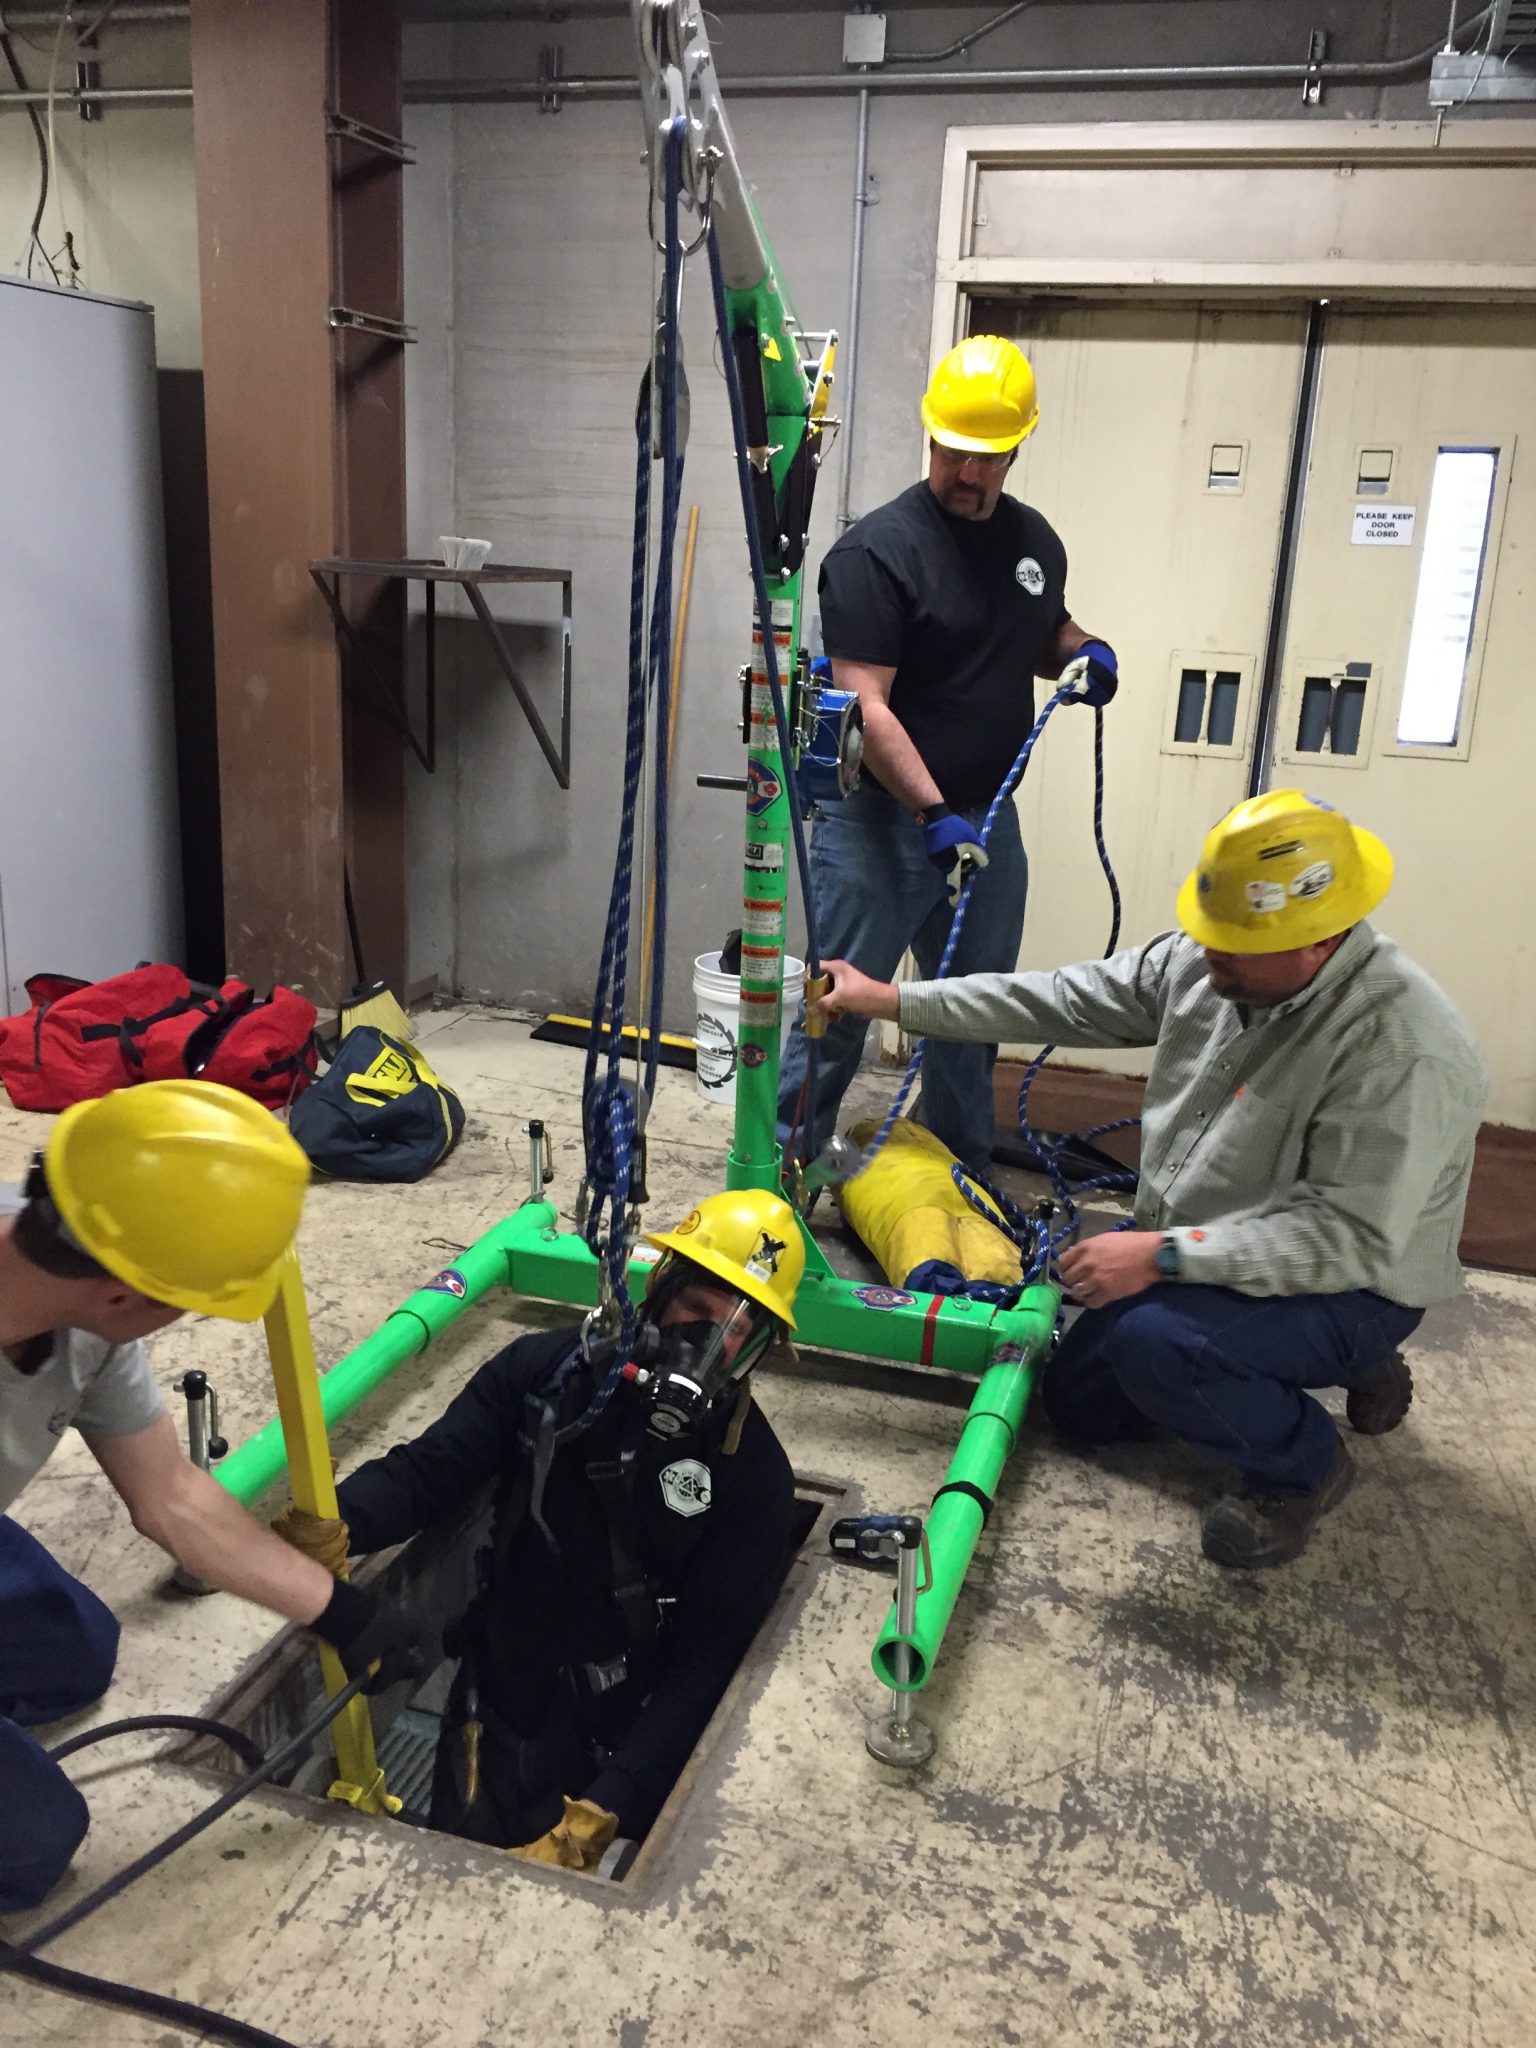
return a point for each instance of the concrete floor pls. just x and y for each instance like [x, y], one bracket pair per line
[1170, 1808]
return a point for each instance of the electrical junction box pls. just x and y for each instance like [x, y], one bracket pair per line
[863, 38]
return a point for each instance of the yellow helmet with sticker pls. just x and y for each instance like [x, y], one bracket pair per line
[748, 1238]
[1281, 871]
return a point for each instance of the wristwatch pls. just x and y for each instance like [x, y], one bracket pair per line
[1167, 1260]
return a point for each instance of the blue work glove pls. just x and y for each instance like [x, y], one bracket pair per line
[1092, 676]
[953, 846]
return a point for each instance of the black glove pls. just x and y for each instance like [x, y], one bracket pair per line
[363, 1633]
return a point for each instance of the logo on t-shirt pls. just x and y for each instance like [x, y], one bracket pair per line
[1031, 575]
[685, 1487]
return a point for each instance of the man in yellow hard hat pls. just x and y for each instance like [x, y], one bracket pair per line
[938, 611]
[147, 1204]
[1307, 1142]
[641, 1527]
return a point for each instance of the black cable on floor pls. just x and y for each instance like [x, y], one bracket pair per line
[249, 1753]
[289, 1752]
[198, 2019]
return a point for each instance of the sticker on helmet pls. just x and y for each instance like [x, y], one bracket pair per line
[685, 1487]
[1265, 896]
[448, 1282]
[764, 1262]
[1314, 880]
[1030, 574]
[689, 1224]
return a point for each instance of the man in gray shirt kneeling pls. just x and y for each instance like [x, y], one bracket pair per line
[1307, 1142]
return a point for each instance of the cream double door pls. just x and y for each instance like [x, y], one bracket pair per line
[1162, 457]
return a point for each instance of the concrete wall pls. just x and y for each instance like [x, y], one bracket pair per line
[551, 296]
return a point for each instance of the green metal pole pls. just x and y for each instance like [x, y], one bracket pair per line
[960, 1506]
[755, 1160]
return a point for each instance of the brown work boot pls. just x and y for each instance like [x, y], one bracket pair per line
[1253, 1530]
[1381, 1400]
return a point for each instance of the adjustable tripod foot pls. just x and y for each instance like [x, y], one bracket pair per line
[899, 1738]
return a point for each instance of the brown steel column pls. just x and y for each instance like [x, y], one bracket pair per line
[281, 488]
[368, 274]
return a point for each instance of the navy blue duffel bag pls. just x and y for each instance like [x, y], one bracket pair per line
[378, 1112]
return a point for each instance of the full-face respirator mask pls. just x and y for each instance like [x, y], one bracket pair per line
[683, 1371]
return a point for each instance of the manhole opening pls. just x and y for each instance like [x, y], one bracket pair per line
[433, 1576]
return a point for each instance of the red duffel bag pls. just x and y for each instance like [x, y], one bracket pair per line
[81, 1039]
[263, 1045]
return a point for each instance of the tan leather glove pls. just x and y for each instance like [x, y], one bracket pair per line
[322, 1537]
[577, 1842]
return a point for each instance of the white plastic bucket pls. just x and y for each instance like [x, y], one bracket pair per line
[717, 1021]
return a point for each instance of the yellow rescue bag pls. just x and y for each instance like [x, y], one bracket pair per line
[906, 1208]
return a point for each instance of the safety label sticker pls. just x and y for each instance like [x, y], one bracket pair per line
[448, 1282]
[763, 788]
[762, 920]
[1383, 526]
[1008, 1354]
[884, 1297]
[762, 964]
[763, 859]
[767, 997]
[754, 1055]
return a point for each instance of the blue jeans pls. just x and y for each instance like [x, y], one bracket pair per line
[1225, 1371]
[58, 1645]
[877, 894]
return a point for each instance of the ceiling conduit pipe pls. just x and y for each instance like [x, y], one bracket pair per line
[850, 395]
[430, 92]
[438, 92]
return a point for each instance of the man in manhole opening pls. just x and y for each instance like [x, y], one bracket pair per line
[642, 1524]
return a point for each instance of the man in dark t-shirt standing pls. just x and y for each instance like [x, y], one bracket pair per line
[939, 610]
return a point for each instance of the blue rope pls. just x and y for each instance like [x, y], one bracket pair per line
[1038, 1245]
[1010, 782]
[609, 1119]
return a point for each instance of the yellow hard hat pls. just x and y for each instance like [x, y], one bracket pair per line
[1282, 870]
[748, 1238]
[981, 398]
[186, 1190]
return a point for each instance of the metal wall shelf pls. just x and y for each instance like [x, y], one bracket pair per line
[328, 575]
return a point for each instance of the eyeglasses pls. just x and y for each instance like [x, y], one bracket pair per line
[957, 458]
